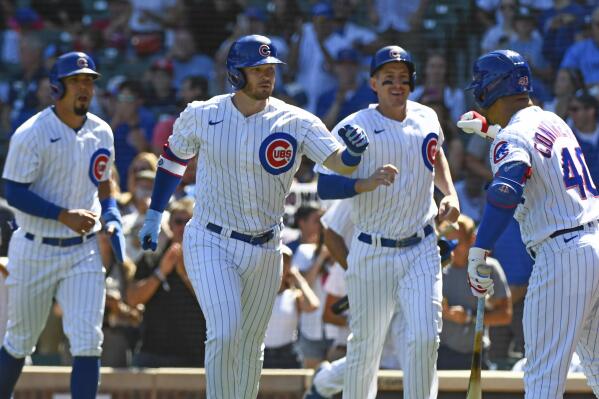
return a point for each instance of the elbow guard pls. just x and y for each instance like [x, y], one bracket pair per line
[507, 187]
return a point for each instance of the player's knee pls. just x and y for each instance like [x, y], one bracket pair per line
[91, 346]
[19, 346]
[425, 343]
[225, 338]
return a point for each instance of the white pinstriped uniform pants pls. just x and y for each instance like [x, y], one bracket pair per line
[561, 313]
[236, 284]
[73, 275]
[378, 279]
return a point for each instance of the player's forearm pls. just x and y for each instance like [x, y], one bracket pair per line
[336, 246]
[168, 176]
[19, 196]
[443, 180]
[329, 317]
[106, 190]
[336, 163]
[142, 291]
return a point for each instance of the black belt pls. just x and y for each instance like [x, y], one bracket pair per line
[258, 239]
[572, 229]
[404, 242]
[61, 242]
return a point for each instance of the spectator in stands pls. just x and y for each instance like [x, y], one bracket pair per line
[23, 87]
[148, 22]
[7, 226]
[294, 297]
[115, 27]
[60, 15]
[471, 195]
[33, 105]
[307, 220]
[132, 125]
[436, 86]
[567, 82]
[142, 161]
[502, 32]
[284, 19]
[187, 60]
[351, 93]
[584, 55]
[194, 88]
[559, 26]
[160, 96]
[459, 306]
[173, 329]
[529, 43]
[584, 111]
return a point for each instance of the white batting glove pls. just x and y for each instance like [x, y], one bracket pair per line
[479, 273]
[473, 122]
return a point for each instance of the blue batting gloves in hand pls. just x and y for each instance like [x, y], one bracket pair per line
[479, 273]
[355, 139]
[148, 235]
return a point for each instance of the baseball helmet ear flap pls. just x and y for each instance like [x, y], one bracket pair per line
[56, 84]
[236, 77]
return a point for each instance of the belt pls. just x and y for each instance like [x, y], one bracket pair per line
[572, 229]
[404, 242]
[61, 242]
[258, 239]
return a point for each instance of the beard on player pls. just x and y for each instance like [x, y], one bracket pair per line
[260, 91]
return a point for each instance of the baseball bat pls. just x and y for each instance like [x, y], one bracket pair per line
[474, 385]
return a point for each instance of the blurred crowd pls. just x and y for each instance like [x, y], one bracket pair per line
[155, 56]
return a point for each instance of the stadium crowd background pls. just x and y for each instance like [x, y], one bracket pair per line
[155, 56]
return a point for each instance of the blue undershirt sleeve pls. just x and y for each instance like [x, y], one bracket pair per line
[19, 196]
[495, 220]
[335, 186]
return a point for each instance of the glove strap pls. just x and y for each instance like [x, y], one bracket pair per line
[350, 158]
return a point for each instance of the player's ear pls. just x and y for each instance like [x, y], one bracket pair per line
[373, 82]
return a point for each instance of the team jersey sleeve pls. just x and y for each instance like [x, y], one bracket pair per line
[319, 167]
[184, 142]
[508, 147]
[23, 160]
[338, 218]
[335, 284]
[318, 142]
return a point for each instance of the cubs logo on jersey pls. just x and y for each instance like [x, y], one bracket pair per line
[429, 150]
[97, 165]
[500, 151]
[277, 153]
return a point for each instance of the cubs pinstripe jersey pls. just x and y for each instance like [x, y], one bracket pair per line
[410, 145]
[560, 193]
[64, 166]
[246, 164]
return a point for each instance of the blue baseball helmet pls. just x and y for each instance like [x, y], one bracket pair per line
[393, 54]
[70, 64]
[249, 51]
[499, 74]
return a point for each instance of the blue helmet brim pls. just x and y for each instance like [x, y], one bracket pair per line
[86, 71]
[263, 61]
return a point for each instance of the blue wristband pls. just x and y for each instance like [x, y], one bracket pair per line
[350, 159]
[110, 210]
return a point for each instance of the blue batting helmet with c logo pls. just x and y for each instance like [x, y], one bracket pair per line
[249, 51]
[393, 54]
[499, 74]
[70, 64]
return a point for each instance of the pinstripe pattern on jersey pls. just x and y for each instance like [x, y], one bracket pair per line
[73, 275]
[561, 314]
[403, 208]
[548, 205]
[233, 189]
[58, 170]
[236, 285]
[378, 280]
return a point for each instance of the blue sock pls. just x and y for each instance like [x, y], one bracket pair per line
[10, 370]
[85, 377]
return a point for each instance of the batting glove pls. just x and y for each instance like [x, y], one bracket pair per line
[479, 273]
[473, 122]
[148, 235]
[355, 139]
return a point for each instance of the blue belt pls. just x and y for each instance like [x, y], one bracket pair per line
[404, 242]
[61, 242]
[258, 239]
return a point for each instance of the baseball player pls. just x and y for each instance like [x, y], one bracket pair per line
[249, 146]
[394, 259]
[540, 178]
[57, 177]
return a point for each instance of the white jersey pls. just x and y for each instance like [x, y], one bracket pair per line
[560, 193]
[64, 166]
[246, 164]
[403, 208]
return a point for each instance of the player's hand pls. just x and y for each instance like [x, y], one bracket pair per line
[473, 122]
[81, 221]
[148, 235]
[383, 176]
[479, 273]
[355, 139]
[114, 227]
[449, 209]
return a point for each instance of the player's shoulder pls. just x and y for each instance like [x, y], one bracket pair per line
[524, 122]
[211, 103]
[36, 124]
[418, 110]
[98, 123]
[360, 117]
[291, 111]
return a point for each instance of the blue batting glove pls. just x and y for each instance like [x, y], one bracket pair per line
[114, 225]
[148, 235]
[355, 139]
